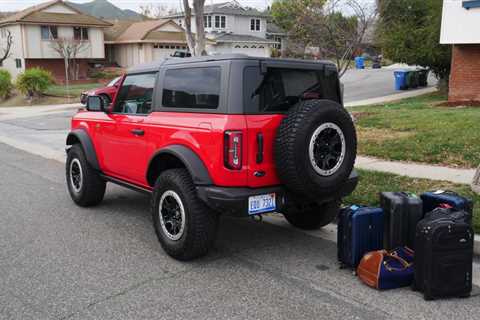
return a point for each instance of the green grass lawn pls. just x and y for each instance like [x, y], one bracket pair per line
[372, 183]
[75, 90]
[419, 130]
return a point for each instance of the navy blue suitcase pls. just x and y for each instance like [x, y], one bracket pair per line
[360, 230]
[434, 199]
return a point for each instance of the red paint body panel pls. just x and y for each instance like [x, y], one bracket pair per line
[124, 155]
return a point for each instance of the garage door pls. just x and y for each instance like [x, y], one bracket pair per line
[162, 53]
[251, 51]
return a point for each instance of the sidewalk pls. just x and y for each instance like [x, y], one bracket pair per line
[8, 113]
[416, 170]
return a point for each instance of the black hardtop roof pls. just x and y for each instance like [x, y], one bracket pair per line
[155, 65]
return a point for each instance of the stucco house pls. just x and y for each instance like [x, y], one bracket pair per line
[233, 29]
[34, 30]
[460, 28]
[128, 43]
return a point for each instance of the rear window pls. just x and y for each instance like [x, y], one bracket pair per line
[281, 88]
[195, 88]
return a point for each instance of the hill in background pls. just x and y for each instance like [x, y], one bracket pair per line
[105, 10]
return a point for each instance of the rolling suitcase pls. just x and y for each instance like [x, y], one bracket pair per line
[443, 255]
[433, 199]
[360, 230]
[402, 212]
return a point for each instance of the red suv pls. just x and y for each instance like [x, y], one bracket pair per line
[217, 135]
[107, 93]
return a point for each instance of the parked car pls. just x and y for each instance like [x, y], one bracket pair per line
[218, 135]
[181, 54]
[107, 93]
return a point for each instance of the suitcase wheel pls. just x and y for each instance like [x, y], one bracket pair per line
[413, 286]
[427, 296]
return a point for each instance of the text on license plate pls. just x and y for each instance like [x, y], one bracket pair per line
[261, 203]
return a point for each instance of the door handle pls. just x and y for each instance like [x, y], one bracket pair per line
[137, 132]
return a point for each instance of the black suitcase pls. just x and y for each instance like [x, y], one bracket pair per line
[402, 213]
[443, 255]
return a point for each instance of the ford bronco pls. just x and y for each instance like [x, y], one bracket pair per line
[227, 134]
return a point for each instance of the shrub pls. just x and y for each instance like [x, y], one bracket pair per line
[34, 81]
[5, 84]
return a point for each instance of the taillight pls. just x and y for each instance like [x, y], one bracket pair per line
[233, 150]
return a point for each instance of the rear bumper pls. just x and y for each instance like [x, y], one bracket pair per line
[234, 201]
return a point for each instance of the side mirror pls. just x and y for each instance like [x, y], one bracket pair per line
[95, 103]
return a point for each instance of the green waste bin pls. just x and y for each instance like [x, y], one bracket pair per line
[423, 77]
[412, 79]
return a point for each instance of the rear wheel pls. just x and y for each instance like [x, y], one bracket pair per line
[85, 185]
[312, 216]
[185, 226]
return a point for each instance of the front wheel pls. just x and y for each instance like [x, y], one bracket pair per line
[85, 185]
[185, 226]
[311, 216]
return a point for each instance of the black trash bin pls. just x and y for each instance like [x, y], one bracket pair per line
[423, 77]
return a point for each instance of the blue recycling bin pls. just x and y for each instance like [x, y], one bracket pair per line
[400, 79]
[360, 62]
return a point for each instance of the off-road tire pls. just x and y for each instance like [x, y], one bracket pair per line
[201, 222]
[92, 188]
[313, 216]
[291, 150]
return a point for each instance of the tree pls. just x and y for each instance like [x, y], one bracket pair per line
[196, 42]
[409, 32]
[336, 27]
[155, 11]
[6, 52]
[69, 49]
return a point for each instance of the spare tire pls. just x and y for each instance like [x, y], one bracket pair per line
[315, 147]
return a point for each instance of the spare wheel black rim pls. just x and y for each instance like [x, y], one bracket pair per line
[327, 149]
[172, 215]
[76, 175]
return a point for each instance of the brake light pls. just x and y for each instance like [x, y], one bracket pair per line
[233, 150]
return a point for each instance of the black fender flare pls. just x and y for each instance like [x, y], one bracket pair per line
[190, 160]
[87, 145]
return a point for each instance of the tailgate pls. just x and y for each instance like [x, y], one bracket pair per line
[261, 132]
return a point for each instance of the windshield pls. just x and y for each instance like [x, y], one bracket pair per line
[281, 88]
[112, 83]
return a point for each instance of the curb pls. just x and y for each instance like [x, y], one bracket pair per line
[329, 232]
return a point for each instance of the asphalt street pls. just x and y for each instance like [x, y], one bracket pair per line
[59, 261]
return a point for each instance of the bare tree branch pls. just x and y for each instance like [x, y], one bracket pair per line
[69, 49]
[6, 52]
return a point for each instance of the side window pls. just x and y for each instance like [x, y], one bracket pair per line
[135, 95]
[192, 88]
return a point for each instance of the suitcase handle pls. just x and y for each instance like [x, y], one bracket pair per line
[402, 261]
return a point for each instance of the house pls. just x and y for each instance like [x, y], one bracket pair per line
[278, 35]
[36, 30]
[460, 28]
[233, 29]
[128, 43]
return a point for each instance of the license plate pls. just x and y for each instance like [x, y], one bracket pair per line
[261, 203]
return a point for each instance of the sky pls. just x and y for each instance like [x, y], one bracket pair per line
[15, 5]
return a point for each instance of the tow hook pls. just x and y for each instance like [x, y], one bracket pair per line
[257, 218]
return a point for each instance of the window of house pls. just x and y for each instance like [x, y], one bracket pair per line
[80, 33]
[278, 44]
[207, 21]
[18, 63]
[237, 46]
[49, 32]
[220, 22]
[255, 24]
[261, 47]
[180, 22]
[192, 88]
[135, 95]
[246, 47]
